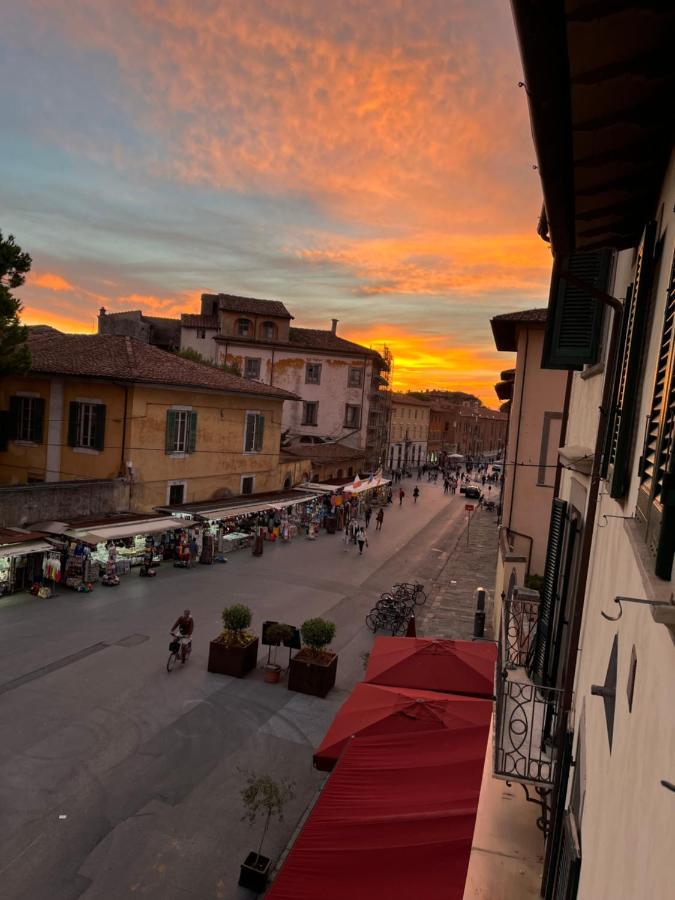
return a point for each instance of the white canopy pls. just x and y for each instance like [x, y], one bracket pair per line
[103, 533]
[24, 548]
[367, 484]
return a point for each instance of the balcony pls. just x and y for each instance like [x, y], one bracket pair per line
[527, 715]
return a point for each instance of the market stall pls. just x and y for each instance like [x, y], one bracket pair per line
[22, 555]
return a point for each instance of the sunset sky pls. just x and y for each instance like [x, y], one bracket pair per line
[370, 162]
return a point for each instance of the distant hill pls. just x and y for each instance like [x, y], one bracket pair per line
[459, 397]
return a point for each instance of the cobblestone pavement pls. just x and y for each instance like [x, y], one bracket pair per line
[467, 564]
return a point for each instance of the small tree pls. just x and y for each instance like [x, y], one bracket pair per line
[236, 621]
[14, 265]
[317, 634]
[267, 797]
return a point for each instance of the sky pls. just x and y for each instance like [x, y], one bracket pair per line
[370, 162]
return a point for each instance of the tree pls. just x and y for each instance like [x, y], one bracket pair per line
[14, 265]
[267, 797]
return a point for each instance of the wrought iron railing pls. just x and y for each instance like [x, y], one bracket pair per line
[527, 716]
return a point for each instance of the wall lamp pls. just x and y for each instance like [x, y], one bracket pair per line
[663, 611]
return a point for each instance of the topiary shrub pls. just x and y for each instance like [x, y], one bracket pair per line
[317, 634]
[236, 621]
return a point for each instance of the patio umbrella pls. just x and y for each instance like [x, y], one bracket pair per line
[375, 709]
[457, 667]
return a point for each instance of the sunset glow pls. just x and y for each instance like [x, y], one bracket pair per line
[368, 163]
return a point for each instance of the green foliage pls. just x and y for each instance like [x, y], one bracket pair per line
[534, 582]
[231, 368]
[14, 265]
[317, 633]
[237, 617]
[279, 633]
[267, 797]
[195, 356]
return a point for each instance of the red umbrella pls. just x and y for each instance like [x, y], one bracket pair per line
[375, 709]
[457, 667]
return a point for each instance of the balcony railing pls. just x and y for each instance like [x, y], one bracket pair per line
[527, 716]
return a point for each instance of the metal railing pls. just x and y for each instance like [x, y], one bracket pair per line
[527, 716]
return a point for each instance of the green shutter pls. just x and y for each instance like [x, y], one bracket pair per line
[249, 432]
[548, 598]
[170, 440]
[615, 375]
[192, 436]
[572, 336]
[14, 416]
[259, 431]
[37, 420]
[99, 434]
[626, 389]
[73, 408]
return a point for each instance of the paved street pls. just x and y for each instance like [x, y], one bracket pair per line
[121, 780]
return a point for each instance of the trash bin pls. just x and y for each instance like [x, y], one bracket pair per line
[331, 524]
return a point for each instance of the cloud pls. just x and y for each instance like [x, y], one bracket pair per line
[51, 281]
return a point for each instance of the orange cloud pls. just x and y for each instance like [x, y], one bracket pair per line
[51, 281]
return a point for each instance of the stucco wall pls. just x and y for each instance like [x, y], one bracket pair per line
[61, 501]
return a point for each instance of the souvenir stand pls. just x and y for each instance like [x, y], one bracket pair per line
[371, 490]
[21, 558]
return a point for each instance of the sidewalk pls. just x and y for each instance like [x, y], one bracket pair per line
[468, 564]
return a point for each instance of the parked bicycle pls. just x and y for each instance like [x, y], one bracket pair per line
[413, 591]
[178, 641]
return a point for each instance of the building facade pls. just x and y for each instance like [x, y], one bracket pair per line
[408, 431]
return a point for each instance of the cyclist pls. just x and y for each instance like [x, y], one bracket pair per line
[185, 624]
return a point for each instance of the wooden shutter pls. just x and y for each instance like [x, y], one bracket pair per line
[192, 435]
[249, 434]
[259, 431]
[99, 432]
[37, 420]
[656, 497]
[548, 597]
[14, 417]
[73, 408]
[170, 436]
[636, 315]
[4, 430]
[572, 336]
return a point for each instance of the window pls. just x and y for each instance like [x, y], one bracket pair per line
[355, 377]
[313, 373]
[352, 416]
[243, 327]
[247, 484]
[269, 331]
[86, 425]
[255, 430]
[201, 333]
[181, 431]
[252, 367]
[26, 417]
[310, 413]
[176, 493]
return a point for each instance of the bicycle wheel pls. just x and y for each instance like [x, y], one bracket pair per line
[420, 598]
[171, 661]
[371, 622]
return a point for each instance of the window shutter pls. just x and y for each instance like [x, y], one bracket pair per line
[99, 435]
[610, 430]
[4, 430]
[170, 438]
[259, 432]
[37, 421]
[249, 436]
[73, 408]
[549, 591]
[626, 389]
[192, 437]
[572, 334]
[656, 497]
[14, 414]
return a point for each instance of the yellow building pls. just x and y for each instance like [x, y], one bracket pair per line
[103, 406]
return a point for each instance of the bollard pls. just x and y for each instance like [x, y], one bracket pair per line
[479, 615]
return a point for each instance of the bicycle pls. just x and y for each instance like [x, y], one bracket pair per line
[412, 591]
[175, 647]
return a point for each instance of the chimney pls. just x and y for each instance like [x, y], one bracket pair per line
[333, 327]
[102, 311]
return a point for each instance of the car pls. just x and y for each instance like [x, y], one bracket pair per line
[472, 492]
[462, 487]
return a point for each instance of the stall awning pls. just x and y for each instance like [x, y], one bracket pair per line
[24, 548]
[376, 709]
[214, 513]
[367, 484]
[457, 667]
[395, 820]
[101, 533]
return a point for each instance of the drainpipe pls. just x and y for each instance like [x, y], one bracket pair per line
[520, 415]
[123, 462]
[563, 431]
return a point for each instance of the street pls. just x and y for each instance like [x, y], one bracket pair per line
[122, 780]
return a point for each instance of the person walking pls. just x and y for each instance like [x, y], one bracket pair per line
[379, 519]
[401, 495]
[361, 539]
[368, 513]
[416, 494]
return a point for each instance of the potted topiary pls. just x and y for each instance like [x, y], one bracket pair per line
[235, 650]
[313, 669]
[276, 634]
[265, 796]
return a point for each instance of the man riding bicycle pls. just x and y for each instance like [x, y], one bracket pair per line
[185, 625]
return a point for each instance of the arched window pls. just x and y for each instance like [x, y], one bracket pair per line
[287, 483]
[243, 328]
[268, 331]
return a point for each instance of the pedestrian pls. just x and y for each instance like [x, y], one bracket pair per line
[416, 494]
[446, 485]
[401, 495]
[379, 519]
[361, 539]
[368, 513]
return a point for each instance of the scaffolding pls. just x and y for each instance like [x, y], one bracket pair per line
[379, 415]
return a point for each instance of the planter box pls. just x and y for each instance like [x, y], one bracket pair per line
[235, 661]
[253, 873]
[309, 676]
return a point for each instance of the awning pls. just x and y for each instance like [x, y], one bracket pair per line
[24, 548]
[394, 820]
[323, 488]
[457, 667]
[101, 533]
[376, 709]
[232, 512]
[366, 485]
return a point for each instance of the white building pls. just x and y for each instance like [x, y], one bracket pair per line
[408, 431]
[341, 383]
[585, 710]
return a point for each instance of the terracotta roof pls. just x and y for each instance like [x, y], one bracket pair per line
[188, 320]
[320, 339]
[505, 327]
[484, 414]
[252, 305]
[325, 452]
[18, 536]
[408, 400]
[125, 359]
